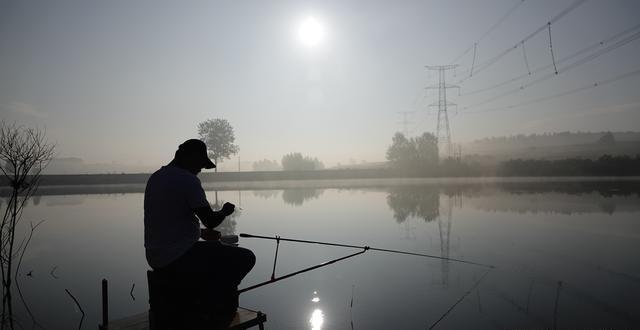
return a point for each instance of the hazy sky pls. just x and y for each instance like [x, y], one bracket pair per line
[127, 81]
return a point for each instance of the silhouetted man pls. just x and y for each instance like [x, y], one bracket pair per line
[174, 206]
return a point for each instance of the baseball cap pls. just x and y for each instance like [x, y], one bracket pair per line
[198, 149]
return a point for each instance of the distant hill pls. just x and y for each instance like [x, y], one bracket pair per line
[555, 145]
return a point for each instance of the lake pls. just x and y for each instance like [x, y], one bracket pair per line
[566, 253]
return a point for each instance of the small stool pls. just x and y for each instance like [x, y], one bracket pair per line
[243, 319]
[177, 300]
[237, 319]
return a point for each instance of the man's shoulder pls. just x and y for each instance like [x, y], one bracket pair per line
[174, 174]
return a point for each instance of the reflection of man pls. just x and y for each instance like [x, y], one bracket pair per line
[174, 206]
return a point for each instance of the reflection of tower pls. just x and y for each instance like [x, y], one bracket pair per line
[443, 132]
[444, 226]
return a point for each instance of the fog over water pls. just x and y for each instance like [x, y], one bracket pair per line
[123, 82]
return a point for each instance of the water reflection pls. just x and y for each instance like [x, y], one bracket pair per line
[409, 199]
[551, 202]
[291, 196]
[317, 316]
[523, 228]
[420, 202]
[317, 319]
[266, 194]
[423, 201]
[299, 196]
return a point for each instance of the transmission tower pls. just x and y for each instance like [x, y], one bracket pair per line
[443, 131]
[405, 122]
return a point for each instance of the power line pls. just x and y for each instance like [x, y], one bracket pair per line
[549, 97]
[553, 57]
[508, 50]
[526, 61]
[562, 60]
[473, 63]
[563, 70]
[491, 29]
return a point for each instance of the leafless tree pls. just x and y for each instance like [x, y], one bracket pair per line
[24, 153]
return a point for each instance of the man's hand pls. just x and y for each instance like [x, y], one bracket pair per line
[227, 209]
[209, 234]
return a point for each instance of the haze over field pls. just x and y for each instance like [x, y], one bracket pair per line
[126, 81]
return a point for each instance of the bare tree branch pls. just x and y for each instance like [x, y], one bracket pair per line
[24, 153]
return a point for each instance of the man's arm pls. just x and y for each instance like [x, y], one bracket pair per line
[211, 218]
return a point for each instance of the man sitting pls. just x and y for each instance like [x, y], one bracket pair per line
[174, 205]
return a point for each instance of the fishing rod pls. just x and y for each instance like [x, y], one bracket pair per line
[276, 279]
[278, 239]
[363, 250]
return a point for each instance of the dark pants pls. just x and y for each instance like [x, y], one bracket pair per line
[212, 261]
[204, 281]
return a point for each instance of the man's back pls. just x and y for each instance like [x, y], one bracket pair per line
[170, 226]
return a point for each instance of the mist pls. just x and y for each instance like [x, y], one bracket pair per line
[119, 85]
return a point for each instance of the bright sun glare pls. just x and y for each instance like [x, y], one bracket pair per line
[311, 32]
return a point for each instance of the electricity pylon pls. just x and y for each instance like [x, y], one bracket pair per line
[443, 131]
[405, 122]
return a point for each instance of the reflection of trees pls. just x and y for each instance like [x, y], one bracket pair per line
[423, 202]
[298, 196]
[607, 206]
[266, 194]
[604, 188]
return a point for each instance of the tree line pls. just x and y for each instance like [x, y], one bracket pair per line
[219, 137]
[419, 156]
[605, 165]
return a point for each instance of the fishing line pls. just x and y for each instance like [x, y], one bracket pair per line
[366, 248]
[276, 279]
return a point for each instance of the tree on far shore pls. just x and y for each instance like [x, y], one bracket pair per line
[218, 135]
[418, 154]
[296, 162]
[266, 165]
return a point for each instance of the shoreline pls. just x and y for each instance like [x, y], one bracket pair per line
[611, 184]
[293, 176]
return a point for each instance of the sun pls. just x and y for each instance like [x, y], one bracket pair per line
[311, 32]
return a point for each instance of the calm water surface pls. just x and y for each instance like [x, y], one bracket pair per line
[566, 255]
